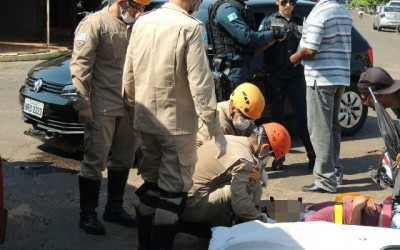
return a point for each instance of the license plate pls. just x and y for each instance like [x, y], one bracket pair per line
[33, 107]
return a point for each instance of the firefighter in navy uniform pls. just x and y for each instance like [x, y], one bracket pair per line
[283, 78]
[231, 24]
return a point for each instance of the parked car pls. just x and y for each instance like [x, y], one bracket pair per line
[47, 94]
[386, 17]
[393, 3]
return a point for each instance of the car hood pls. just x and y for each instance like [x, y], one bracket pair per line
[55, 70]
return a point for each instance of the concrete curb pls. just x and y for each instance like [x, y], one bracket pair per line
[10, 57]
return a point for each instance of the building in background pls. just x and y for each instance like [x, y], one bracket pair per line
[26, 20]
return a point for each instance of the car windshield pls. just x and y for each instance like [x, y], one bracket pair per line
[392, 9]
[394, 4]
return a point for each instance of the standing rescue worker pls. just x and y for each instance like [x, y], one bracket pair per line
[97, 62]
[231, 24]
[236, 116]
[229, 188]
[283, 78]
[168, 80]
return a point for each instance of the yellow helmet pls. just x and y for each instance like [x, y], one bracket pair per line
[249, 100]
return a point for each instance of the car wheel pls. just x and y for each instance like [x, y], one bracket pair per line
[352, 113]
[373, 26]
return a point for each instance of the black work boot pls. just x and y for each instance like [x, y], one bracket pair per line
[89, 199]
[311, 161]
[305, 138]
[163, 236]
[278, 164]
[114, 212]
[144, 227]
[199, 229]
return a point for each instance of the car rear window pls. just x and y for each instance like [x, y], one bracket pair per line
[391, 9]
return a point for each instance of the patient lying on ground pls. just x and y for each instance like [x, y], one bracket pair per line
[359, 210]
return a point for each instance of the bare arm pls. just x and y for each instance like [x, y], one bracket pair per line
[359, 203]
[303, 54]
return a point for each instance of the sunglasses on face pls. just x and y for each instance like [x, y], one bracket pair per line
[136, 7]
[285, 2]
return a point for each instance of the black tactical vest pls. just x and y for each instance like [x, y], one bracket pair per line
[221, 41]
[278, 55]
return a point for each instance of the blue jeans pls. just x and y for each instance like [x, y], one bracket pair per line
[323, 103]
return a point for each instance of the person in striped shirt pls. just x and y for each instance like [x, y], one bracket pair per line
[324, 51]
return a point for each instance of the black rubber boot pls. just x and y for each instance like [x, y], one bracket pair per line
[199, 229]
[144, 227]
[278, 164]
[305, 138]
[89, 199]
[163, 236]
[114, 212]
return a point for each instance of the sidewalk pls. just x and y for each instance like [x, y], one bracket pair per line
[25, 49]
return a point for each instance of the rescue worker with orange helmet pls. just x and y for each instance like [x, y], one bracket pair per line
[97, 64]
[236, 116]
[229, 188]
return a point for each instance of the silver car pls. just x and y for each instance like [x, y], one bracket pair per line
[386, 17]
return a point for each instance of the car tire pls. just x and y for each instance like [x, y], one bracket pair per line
[374, 27]
[352, 113]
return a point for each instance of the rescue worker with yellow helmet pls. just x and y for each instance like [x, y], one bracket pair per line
[236, 116]
[97, 63]
[229, 188]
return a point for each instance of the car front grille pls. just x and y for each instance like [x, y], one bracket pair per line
[47, 86]
[53, 126]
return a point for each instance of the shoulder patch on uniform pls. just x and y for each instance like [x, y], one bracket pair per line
[81, 36]
[254, 177]
[232, 17]
[204, 36]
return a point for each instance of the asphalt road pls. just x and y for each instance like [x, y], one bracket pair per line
[41, 191]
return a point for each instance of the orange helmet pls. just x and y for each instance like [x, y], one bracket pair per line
[141, 2]
[249, 100]
[279, 138]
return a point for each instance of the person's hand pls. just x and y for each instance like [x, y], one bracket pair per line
[359, 202]
[294, 60]
[398, 160]
[86, 116]
[278, 32]
[369, 208]
[266, 219]
[221, 143]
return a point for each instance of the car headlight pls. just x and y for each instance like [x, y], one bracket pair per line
[69, 90]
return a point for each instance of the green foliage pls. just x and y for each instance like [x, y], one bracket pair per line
[367, 3]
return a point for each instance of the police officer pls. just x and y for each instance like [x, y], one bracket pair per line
[283, 78]
[229, 188]
[231, 24]
[168, 80]
[96, 67]
[236, 115]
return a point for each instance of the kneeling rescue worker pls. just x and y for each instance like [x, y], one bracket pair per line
[229, 189]
[236, 116]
